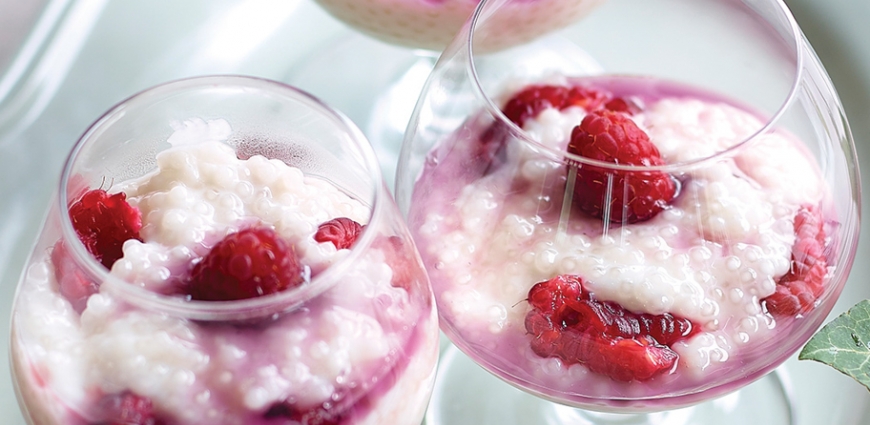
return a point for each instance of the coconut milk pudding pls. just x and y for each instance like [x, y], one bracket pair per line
[361, 352]
[641, 285]
[431, 24]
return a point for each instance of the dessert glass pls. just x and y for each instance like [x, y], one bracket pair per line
[352, 340]
[645, 280]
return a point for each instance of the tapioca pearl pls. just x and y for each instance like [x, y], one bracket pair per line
[709, 309]
[479, 205]
[546, 257]
[288, 181]
[453, 255]
[748, 276]
[736, 295]
[261, 170]
[752, 308]
[179, 227]
[266, 210]
[552, 367]
[657, 246]
[517, 229]
[777, 245]
[100, 306]
[431, 226]
[766, 287]
[497, 318]
[268, 387]
[552, 127]
[218, 175]
[290, 224]
[468, 304]
[733, 263]
[178, 165]
[703, 351]
[746, 328]
[537, 169]
[244, 190]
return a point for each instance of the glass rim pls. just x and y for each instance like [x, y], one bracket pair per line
[233, 310]
[517, 132]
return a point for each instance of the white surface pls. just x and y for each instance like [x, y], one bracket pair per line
[101, 51]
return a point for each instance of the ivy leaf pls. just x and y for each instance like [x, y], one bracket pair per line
[844, 344]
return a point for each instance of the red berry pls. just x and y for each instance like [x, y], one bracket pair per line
[533, 99]
[104, 222]
[551, 296]
[626, 106]
[797, 291]
[629, 359]
[342, 232]
[127, 408]
[73, 283]
[569, 323]
[633, 195]
[249, 263]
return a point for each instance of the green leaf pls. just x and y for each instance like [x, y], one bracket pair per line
[844, 344]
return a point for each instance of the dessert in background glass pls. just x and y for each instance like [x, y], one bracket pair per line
[396, 48]
[641, 239]
[223, 250]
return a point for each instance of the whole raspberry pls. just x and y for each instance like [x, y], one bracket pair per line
[797, 291]
[624, 196]
[567, 322]
[342, 232]
[104, 222]
[529, 102]
[127, 408]
[249, 263]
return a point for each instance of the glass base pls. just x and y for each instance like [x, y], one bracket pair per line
[466, 394]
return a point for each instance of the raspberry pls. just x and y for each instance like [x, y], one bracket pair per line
[628, 359]
[73, 283]
[569, 323]
[249, 263]
[532, 100]
[620, 104]
[633, 195]
[127, 408]
[104, 222]
[342, 232]
[797, 291]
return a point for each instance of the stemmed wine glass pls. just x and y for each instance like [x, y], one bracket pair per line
[638, 239]
[377, 74]
[223, 250]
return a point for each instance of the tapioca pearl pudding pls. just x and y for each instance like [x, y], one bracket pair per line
[366, 345]
[432, 24]
[715, 256]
